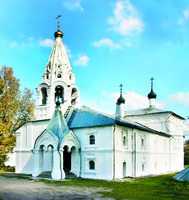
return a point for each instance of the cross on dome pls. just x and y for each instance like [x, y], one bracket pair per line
[58, 19]
[58, 33]
[121, 85]
[152, 79]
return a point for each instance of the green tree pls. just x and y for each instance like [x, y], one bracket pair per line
[186, 152]
[16, 107]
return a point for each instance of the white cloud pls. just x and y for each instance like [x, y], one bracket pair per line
[108, 43]
[135, 100]
[73, 4]
[180, 97]
[125, 20]
[82, 61]
[46, 42]
[185, 17]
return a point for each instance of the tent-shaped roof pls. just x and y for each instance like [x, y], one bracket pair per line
[57, 123]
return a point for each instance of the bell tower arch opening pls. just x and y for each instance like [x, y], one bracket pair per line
[74, 95]
[44, 95]
[59, 94]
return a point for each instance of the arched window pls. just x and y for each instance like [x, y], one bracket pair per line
[44, 96]
[59, 94]
[124, 140]
[143, 167]
[91, 165]
[91, 139]
[142, 142]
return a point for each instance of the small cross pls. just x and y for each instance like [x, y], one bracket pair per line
[58, 17]
[121, 85]
[152, 79]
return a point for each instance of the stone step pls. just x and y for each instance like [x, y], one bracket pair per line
[70, 175]
[45, 174]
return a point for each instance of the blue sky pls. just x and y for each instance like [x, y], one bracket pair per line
[108, 42]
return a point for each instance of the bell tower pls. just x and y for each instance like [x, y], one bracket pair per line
[58, 81]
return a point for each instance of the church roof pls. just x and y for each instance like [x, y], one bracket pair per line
[84, 118]
[57, 123]
[91, 118]
[148, 111]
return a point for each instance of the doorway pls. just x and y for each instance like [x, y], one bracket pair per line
[67, 159]
[124, 169]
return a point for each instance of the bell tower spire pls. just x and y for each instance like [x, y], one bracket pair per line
[58, 81]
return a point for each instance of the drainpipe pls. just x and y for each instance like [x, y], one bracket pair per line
[114, 128]
[134, 155]
[170, 155]
[80, 161]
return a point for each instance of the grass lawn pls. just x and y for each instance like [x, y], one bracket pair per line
[156, 187]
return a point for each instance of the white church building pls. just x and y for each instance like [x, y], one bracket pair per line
[67, 138]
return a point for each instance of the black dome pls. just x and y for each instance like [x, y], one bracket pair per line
[120, 100]
[152, 95]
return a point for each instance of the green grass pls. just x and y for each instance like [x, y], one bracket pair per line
[156, 187]
[186, 166]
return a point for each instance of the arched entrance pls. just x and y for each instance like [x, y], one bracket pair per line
[67, 159]
[124, 169]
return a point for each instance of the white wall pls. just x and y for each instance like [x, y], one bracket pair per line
[100, 152]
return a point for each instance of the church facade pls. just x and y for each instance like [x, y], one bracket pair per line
[67, 138]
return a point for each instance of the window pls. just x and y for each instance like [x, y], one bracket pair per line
[143, 167]
[142, 142]
[125, 139]
[91, 165]
[44, 96]
[91, 139]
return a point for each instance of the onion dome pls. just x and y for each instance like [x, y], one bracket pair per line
[58, 33]
[120, 99]
[152, 94]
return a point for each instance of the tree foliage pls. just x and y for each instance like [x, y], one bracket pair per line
[16, 107]
[186, 152]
